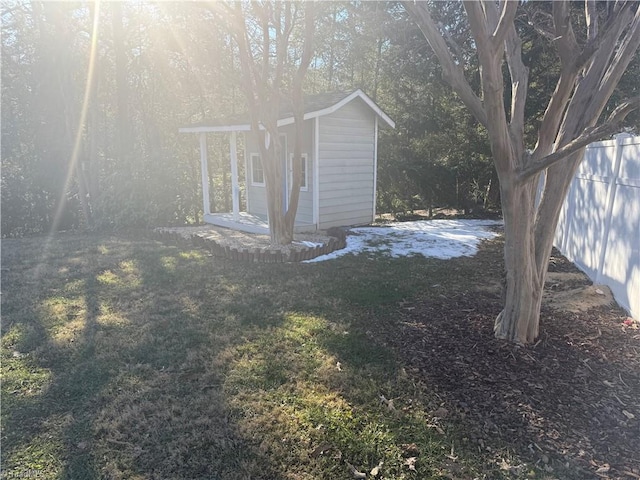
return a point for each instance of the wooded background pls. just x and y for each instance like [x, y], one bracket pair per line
[93, 96]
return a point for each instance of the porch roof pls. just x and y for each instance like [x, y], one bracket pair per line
[314, 106]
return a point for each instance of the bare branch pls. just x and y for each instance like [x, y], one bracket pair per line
[623, 56]
[591, 16]
[538, 27]
[588, 136]
[453, 45]
[553, 115]
[478, 19]
[519, 85]
[509, 9]
[566, 40]
[453, 72]
[609, 30]
[490, 55]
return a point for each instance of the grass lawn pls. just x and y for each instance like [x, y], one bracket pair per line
[124, 358]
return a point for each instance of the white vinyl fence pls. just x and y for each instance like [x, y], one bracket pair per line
[599, 226]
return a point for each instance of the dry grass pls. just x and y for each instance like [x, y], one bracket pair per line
[129, 359]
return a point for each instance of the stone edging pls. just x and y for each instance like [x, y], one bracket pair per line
[337, 241]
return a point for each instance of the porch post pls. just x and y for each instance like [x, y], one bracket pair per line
[204, 171]
[235, 188]
[375, 166]
[316, 172]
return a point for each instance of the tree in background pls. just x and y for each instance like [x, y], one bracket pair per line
[122, 163]
[591, 66]
[273, 70]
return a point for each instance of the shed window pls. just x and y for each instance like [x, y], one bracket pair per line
[257, 173]
[304, 185]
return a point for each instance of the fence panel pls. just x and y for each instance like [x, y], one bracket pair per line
[599, 226]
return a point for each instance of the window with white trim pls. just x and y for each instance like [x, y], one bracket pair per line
[257, 172]
[304, 185]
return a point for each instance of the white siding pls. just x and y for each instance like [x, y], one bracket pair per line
[346, 166]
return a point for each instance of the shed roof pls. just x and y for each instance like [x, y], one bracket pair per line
[314, 106]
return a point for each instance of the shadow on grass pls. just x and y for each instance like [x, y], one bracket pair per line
[147, 361]
[119, 331]
[168, 363]
[553, 410]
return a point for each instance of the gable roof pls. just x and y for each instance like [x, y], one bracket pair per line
[314, 106]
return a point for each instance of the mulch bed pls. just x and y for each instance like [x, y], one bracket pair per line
[569, 404]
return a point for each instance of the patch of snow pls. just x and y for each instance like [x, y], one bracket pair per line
[309, 244]
[430, 238]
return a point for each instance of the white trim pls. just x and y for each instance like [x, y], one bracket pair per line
[253, 182]
[375, 166]
[204, 174]
[316, 172]
[305, 157]
[210, 129]
[285, 178]
[289, 120]
[358, 93]
[247, 175]
[235, 188]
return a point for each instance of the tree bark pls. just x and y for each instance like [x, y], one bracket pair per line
[263, 83]
[587, 79]
[524, 282]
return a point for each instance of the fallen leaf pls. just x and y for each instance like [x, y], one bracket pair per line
[355, 472]
[411, 463]
[629, 415]
[320, 449]
[388, 403]
[441, 413]
[375, 470]
[410, 448]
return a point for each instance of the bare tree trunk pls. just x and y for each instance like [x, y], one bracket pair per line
[524, 280]
[589, 74]
[298, 115]
[263, 83]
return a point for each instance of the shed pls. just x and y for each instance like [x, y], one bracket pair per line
[340, 148]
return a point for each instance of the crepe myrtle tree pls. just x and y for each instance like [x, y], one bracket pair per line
[589, 71]
[274, 42]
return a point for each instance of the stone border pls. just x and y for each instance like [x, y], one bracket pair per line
[337, 241]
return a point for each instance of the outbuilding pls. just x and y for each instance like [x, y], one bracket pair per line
[340, 149]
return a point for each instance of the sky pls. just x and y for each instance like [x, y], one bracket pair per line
[434, 238]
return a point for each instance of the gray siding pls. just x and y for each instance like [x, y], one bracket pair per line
[305, 202]
[257, 195]
[346, 144]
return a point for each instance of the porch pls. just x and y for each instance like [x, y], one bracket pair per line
[249, 223]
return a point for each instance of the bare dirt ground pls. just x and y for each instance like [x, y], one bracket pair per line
[570, 403]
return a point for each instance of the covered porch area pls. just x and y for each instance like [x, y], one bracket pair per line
[246, 222]
[235, 219]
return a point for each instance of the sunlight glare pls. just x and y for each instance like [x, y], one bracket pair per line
[78, 138]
